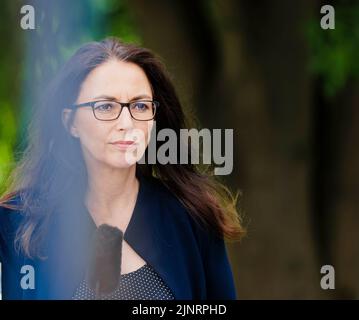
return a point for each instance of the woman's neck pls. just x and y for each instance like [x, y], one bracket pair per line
[110, 192]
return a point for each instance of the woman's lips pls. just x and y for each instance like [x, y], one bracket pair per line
[123, 142]
[123, 145]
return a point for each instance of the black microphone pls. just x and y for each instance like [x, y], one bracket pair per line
[104, 272]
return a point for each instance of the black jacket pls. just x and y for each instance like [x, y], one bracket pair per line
[191, 260]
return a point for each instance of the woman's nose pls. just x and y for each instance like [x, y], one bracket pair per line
[125, 120]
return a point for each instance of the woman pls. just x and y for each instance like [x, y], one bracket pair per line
[82, 219]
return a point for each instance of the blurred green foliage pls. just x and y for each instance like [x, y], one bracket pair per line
[10, 65]
[7, 139]
[334, 53]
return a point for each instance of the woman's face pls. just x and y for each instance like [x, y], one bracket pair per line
[124, 82]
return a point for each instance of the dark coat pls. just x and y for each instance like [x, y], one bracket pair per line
[192, 261]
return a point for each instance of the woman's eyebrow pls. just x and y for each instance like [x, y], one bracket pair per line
[105, 97]
[141, 96]
[138, 97]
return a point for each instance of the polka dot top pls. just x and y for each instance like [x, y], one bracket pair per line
[141, 284]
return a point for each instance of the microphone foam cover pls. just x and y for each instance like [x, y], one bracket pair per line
[104, 272]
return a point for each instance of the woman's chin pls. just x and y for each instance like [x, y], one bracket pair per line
[123, 163]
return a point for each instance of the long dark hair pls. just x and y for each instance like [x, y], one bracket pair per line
[52, 166]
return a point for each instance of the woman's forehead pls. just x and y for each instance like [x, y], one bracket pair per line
[118, 79]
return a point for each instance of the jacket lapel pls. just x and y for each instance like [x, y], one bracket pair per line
[147, 235]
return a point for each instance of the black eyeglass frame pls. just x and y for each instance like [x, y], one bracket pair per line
[122, 104]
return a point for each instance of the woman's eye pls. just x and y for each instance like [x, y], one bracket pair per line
[104, 107]
[140, 106]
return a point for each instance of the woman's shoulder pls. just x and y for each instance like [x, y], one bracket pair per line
[11, 215]
[175, 210]
[166, 199]
[10, 220]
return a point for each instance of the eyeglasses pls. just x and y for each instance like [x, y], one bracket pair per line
[108, 110]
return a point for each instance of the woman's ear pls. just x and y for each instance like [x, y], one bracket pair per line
[66, 116]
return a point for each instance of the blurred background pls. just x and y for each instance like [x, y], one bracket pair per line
[288, 88]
